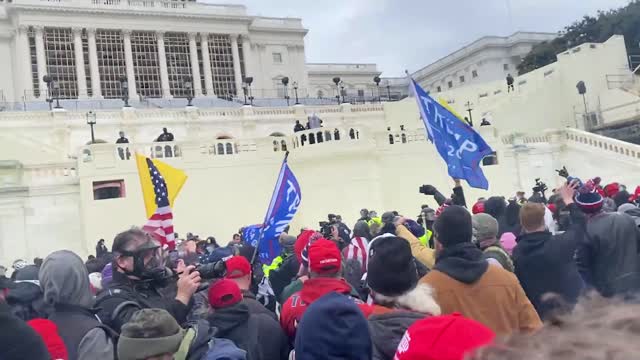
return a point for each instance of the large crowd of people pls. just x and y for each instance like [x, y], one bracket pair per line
[504, 278]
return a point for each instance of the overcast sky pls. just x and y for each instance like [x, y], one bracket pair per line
[409, 34]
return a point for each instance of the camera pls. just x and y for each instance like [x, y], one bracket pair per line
[325, 229]
[214, 270]
[540, 186]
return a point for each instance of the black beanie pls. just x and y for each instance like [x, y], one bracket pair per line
[453, 226]
[391, 270]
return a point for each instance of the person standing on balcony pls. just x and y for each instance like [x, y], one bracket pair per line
[510, 86]
[298, 127]
[122, 149]
[165, 136]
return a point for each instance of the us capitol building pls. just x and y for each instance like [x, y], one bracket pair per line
[230, 87]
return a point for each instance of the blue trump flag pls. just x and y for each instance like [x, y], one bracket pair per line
[284, 205]
[251, 234]
[458, 144]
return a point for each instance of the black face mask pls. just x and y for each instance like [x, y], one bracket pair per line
[154, 271]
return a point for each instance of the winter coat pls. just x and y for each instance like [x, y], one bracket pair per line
[255, 307]
[464, 282]
[312, 289]
[387, 328]
[421, 252]
[257, 334]
[282, 276]
[65, 282]
[25, 300]
[608, 256]
[544, 263]
[18, 340]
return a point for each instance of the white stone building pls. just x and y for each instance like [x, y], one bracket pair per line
[87, 46]
[356, 81]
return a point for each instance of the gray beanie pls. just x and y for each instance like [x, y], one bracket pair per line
[287, 242]
[149, 332]
[484, 226]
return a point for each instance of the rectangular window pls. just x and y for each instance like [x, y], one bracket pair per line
[110, 189]
[439, 89]
[221, 58]
[178, 62]
[277, 58]
[144, 49]
[461, 79]
[505, 66]
[360, 93]
[243, 70]
[201, 67]
[111, 63]
[450, 84]
[474, 74]
[61, 61]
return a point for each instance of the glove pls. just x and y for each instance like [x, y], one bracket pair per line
[428, 190]
[563, 172]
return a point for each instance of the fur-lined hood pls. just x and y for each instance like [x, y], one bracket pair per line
[420, 299]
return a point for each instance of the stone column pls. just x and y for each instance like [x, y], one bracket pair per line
[195, 66]
[22, 43]
[206, 65]
[96, 88]
[164, 72]
[80, 73]
[41, 58]
[236, 62]
[246, 54]
[128, 60]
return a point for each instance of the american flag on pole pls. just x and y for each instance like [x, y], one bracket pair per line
[160, 224]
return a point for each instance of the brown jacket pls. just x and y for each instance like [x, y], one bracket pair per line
[497, 300]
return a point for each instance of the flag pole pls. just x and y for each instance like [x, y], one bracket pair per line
[255, 251]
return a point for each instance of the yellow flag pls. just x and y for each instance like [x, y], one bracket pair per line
[446, 105]
[174, 178]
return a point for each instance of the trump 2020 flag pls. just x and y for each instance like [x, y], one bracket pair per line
[284, 205]
[458, 144]
[251, 234]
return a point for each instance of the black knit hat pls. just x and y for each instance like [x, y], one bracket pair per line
[391, 270]
[453, 226]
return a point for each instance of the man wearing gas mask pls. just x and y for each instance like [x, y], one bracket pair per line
[139, 273]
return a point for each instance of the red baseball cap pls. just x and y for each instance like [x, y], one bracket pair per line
[224, 293]
[448, 337]
[237, 267]
[301, 242]
[324, 257]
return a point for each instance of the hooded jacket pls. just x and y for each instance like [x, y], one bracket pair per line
[65, 282]
[608, 256]
[464, 282]
[257, 334]
[387, 328]
[312, 289]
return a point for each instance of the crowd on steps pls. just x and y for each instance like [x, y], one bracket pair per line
[504, 278]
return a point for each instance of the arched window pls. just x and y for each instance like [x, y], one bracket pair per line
[283, 145]
[312, 139]
[319, 137]
[275, 145]
[327, 135]
[404, 138]
[303, 139]
[336, 134]
[391, 139]
[220, 149]
[320, 94]
[229, 148]
[352, 134]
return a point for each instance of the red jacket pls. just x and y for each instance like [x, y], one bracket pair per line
[313, 289]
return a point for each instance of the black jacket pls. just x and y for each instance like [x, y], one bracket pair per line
[26, 301]
[388, 329]
[18, 340]
[255, 307]
[608, 256]
[457, 197]
[283, 276]
[124, 297]
[74, 322]
[544, 263]
[259, 335]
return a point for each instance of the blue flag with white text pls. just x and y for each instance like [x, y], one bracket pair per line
[459, 145]
[251, 234]
[284, 204]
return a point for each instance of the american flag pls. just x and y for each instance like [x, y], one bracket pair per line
[160, 225]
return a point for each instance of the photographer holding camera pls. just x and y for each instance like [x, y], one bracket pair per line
[457, 198]
[139, 275]
[539, 193]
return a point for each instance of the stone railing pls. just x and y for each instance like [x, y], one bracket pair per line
[47, 174]
[319, 136]
[622, 149]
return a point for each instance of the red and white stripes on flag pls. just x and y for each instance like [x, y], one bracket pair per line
[160, 226]
[357, 250]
